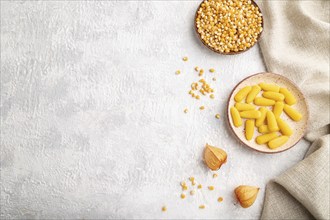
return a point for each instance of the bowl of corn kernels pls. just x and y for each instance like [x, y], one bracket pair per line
[229, 26]
[267, 112]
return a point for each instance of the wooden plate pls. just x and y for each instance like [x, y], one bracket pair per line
[299, 128]
[232, 52]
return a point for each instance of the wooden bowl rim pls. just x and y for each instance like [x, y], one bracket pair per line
[303, 98]
[230, 53]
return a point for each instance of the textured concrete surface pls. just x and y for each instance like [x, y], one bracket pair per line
[92, 122]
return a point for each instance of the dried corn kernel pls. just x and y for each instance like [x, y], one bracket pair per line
[192, 179]
[214, 79]
[185, 110]
[184, 187]
[292, 113]
[217, 116]
[193, 183]
[164, 208]
[183, 196]
[185, 58]
[183, 183]
[215, 175]
[202, 107]
[192, 192]
[242, 93]
[220, 199]
[199, 186]
[198, 97]
[177, 72]
[212, 70]
[211, 188]
[202, 206]
[196, 68]
[190, 92]
[212, 96]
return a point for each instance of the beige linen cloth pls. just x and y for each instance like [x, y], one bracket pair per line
[295, 43]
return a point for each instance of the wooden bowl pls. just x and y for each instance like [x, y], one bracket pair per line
[232, 52]
[299, 128]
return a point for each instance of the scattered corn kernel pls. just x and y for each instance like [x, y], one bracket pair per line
[220, 199]
[184, 187]
[193, 183]
[183, 196]
[217, 116]
[192, 192]
[177, 72]
[292, 113]
[197, 68]
[164, 208]
[202, 206]
[277, 142]
[190, 92]
[199, 186]
[202, 107]
[215, 175]
[183, 183]
[211, 188]
[192, 178]
[185, 110]
[242, 93]
[252, 94]
[289, 98]
[214, 79]
[212, 96]
[185, 58]
[212, 70]
[197, 97]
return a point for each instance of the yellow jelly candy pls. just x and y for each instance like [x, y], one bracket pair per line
[278, 109]
[289, 98]
[261, 119]
[269, 87]
[262, 139]
[242, 93]
[263, 129]
[273, 95]
[277, 142]
[271, 121]
[253, 93]
[244, 106]
[249, 129]
[263, 101]
[284, 127]
[250, 114]
[292, 113]
[235, 117]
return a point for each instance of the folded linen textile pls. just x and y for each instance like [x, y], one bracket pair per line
[295, 43]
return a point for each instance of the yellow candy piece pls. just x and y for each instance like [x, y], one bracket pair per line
[249, 129]
[263, 129]
[278, 109]
[262, 139]
[253, 93]
[277, 142]
[271, 121]
[284, 127]
[251, 114]
[235, 117]
[263, 101]
[242, 93]
[261, 119]
[269, 87]
[244, 106]
[273, 95]
[292, 113]
[289, 98]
